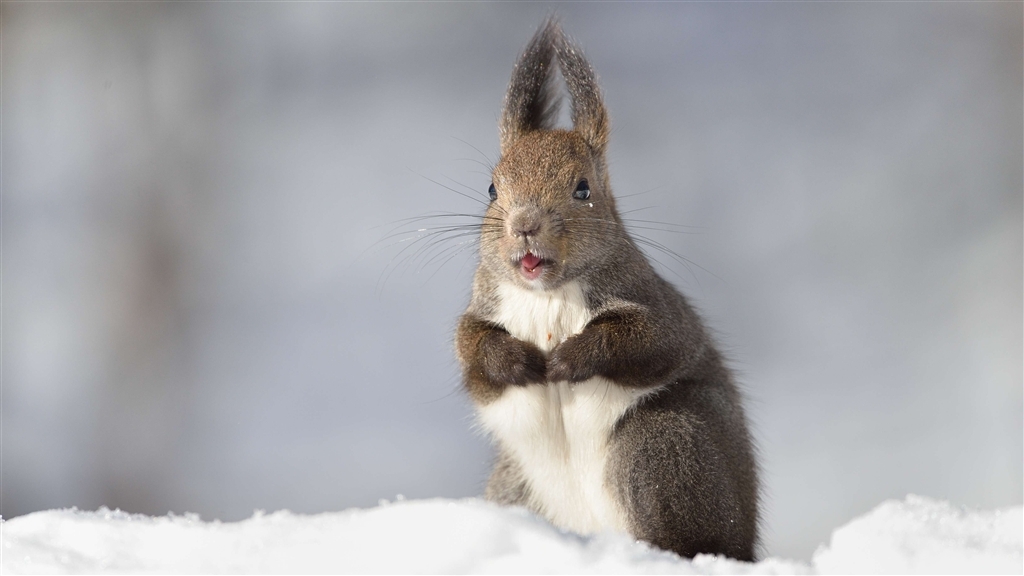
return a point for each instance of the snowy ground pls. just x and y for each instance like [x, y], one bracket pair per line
[460, 536]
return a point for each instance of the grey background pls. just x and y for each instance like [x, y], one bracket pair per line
[194, 310]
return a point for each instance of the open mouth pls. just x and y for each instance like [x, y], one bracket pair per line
[532, 266]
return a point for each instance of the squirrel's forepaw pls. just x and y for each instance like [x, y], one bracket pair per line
[532, 370]
[570, 362]
[515, 362]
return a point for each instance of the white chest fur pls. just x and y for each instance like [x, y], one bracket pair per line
[559, 433]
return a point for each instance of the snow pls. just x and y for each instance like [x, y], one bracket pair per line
[924, 536]
[473, 536]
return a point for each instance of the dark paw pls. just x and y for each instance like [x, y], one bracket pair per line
[514, 362]
[571, 361]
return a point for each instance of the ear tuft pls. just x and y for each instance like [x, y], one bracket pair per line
[532, 100]
[589, 117]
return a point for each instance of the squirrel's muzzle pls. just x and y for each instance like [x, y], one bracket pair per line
[526, 223]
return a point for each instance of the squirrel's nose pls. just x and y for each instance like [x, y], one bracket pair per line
[524, 230]
[525, 223]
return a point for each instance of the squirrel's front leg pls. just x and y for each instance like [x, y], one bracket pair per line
[626, 346]
[493, 359]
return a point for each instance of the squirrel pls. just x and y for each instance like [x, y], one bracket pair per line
[609, 405]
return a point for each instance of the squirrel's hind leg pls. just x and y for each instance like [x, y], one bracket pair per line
[506, 485]
[681, 490]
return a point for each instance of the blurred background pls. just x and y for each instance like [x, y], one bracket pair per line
[199, 312]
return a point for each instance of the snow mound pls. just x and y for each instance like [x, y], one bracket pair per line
[423, 536]
[473, 536]
[923, 536]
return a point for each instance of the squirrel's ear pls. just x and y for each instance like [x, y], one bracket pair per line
[589, 117]
[532, 100]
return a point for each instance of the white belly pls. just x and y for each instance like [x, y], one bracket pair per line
[559, 437]
[558, 433]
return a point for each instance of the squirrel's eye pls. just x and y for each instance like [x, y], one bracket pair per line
[493, 192]
[582, 190]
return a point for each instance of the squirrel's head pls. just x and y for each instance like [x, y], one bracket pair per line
[552, 215]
